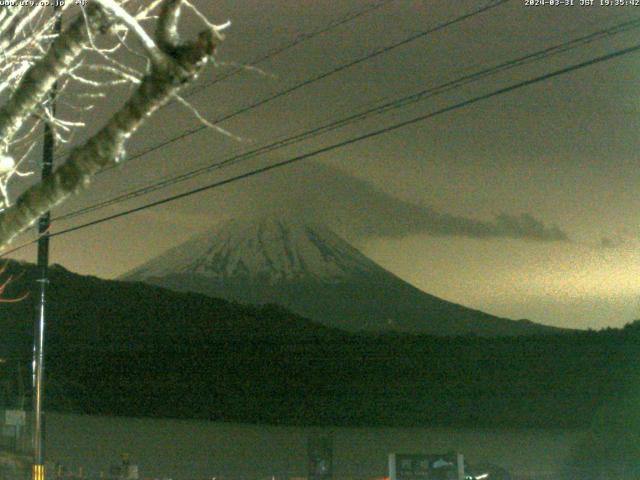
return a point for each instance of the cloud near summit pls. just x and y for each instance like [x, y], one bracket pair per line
[324, 194]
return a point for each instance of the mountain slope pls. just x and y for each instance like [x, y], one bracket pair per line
[120, 348]
[312, 271]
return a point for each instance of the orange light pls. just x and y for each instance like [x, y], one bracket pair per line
[38, 472]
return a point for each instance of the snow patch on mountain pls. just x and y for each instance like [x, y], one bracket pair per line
[270, 250]
[313, 272]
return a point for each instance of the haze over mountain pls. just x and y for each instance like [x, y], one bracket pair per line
[309, 269]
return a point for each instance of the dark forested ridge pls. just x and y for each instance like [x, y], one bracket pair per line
[121, 348]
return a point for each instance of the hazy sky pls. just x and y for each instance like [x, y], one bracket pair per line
[525, 205]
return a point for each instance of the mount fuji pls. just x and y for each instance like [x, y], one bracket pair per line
[312, 271]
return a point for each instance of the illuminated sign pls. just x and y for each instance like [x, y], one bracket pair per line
[448, 466]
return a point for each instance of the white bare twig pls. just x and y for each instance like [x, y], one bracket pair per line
[204, 121]
[123, 16]
[35, 63]
[217, 29]
[144, 14]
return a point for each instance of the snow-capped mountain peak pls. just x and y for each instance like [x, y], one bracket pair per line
[269, 249]
[312, 271]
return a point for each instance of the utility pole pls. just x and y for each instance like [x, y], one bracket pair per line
[43, 280]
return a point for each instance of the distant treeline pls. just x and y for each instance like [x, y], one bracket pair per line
[117, 348]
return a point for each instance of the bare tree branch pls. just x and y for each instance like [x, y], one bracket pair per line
[40, 78]
[179, 64]
[147, 42]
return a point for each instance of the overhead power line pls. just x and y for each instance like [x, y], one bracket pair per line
[287, 91]
[295, 42]
[278, 50]
[320, 151]
[492, 4]
[394, 104]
